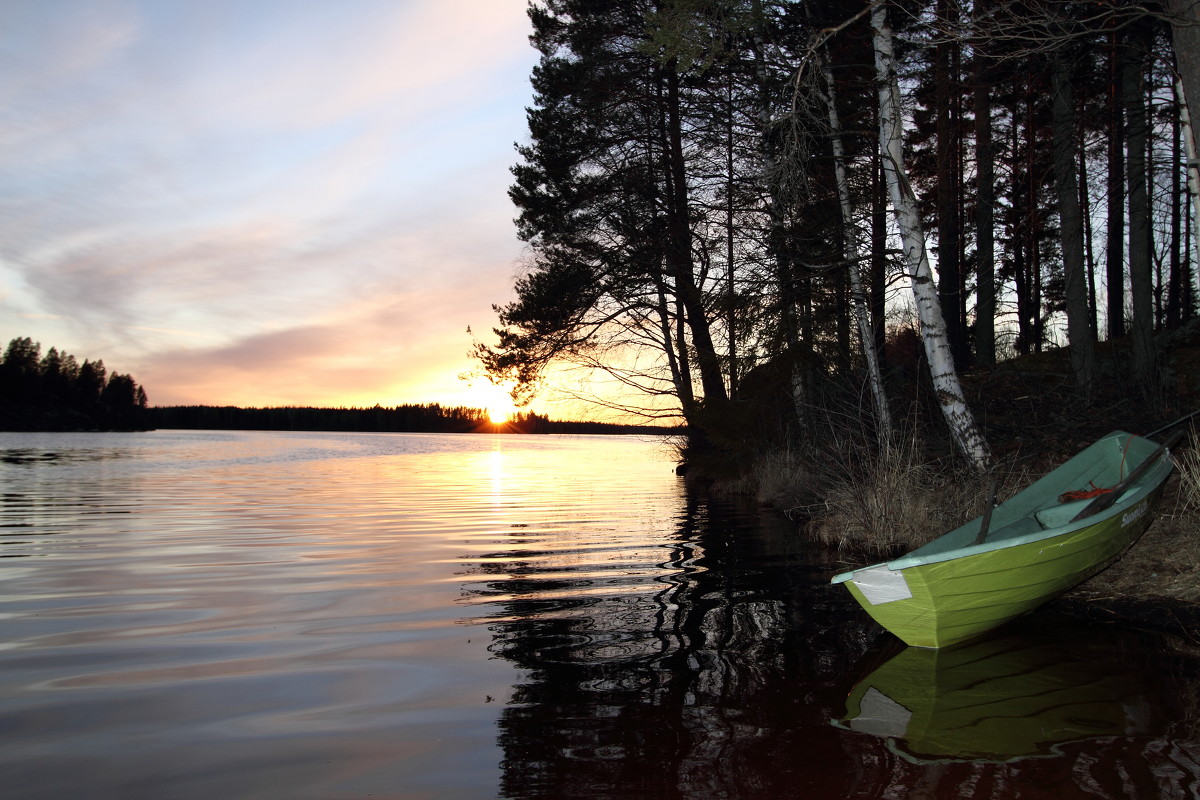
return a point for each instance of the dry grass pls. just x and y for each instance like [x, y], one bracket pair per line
[892, 499]
[781, 476]
[871, 501]
[1187, 464]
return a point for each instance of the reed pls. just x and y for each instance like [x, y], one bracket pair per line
[782, 478]
[892, 498]
[1187, 464]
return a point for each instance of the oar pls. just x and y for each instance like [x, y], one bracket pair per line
[987, 513]
[1105, 500]
[1170, 425]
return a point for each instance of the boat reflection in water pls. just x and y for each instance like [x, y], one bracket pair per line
[1013, 696]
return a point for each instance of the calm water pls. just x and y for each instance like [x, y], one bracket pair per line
[261, 615]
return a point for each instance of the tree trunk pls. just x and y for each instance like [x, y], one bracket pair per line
[1089, 253]
[854, 260]
[879, 261]
[1024, 239]
[985, 283]
[731, 286]
[776, 249]
[1186, 35]
[1141, 283]
[1157, 283]
[948, 190]
[677, 365]
[1115, 257]
[1079, 329]
[961, 422]
[1175, 279]
[712, 381]
[1193, 162]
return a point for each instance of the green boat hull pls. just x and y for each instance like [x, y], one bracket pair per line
[953, 589]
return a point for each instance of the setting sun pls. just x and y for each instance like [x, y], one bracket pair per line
[494, 400]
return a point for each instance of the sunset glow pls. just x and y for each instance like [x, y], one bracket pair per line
[495, 400]
[269, 203]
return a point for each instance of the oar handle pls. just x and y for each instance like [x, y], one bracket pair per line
[1105, 500]
[986, 522]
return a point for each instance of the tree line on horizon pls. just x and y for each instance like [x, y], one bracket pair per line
[54, 392]
[418, 418]
[716, 189]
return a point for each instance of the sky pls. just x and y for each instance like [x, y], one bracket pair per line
[263, 202]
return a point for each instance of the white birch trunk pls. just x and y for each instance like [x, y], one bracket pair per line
[1193, 161]
[853, 255]
[1185, 33]
[961, 422]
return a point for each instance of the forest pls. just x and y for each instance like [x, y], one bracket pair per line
[738, 210]
[54, 392]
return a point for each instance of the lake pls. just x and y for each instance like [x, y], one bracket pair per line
[199, 614]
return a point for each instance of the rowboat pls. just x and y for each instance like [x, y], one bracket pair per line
[1026, 551]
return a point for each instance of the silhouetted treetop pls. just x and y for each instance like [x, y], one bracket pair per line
[54, 393]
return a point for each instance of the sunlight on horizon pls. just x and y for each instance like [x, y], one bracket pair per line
[495, 400]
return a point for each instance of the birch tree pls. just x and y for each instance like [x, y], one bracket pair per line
[1193, 160]
[854, 260]
[959, 418]
[1185, 31]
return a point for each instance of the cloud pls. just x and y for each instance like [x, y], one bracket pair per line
[389, 347]
[386, 336]
[411, 57]
[46, 51]
[284, 199]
